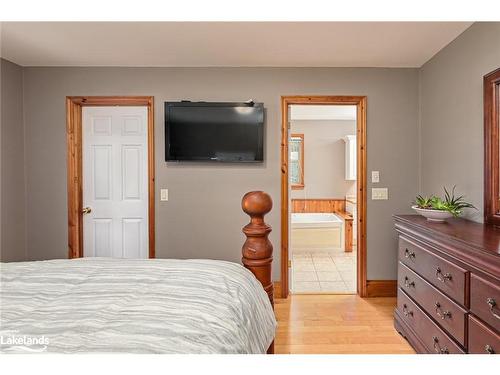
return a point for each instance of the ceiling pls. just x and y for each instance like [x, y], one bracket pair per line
[191, 44]
[322, 112]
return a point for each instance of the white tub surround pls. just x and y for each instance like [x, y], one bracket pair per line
[317, 230]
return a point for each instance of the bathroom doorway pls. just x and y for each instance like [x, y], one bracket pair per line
[323, 195]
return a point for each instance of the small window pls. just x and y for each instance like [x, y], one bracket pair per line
[297, 161]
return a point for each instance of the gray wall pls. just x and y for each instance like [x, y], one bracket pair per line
[451, 128]
[13, 199]
[203, 216]
[439, 104]
[324, 160]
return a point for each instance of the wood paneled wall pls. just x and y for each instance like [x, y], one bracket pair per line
[318, 205]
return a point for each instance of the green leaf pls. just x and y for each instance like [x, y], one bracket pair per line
[450, 203]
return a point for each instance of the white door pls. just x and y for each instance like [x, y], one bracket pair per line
[115, 182]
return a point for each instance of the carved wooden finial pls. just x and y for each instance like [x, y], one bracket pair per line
[257, 250]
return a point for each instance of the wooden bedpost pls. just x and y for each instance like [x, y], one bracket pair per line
[257, 250]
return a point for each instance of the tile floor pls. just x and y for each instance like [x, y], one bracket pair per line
[323, 271]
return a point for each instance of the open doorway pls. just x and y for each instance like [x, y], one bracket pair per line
[322, 208]
[323, 195]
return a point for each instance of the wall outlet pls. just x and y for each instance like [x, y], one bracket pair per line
[375, 177]
[164, 194]
[380, 193]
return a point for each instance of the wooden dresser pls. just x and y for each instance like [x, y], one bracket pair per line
[448, 285]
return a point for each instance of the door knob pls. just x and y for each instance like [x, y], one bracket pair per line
[86, 210]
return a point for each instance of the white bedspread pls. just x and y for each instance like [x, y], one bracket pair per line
[135, 306]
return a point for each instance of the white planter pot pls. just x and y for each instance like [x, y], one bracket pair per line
[436, 216]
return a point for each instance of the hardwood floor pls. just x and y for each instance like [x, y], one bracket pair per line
[337, 324]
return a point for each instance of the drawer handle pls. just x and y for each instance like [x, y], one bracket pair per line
[407, 312]
[441, 277]
[488, 349]
[444, 315]
[409, 283]
[409, 254]
[437, 347]
[492, 303]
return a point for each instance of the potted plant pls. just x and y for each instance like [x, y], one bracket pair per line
[437, 209]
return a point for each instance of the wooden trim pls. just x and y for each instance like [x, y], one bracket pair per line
[318, 205]
[362, 187]
[284, 199]
[348, 235]
[381, 288]
[344, 215]
[491, 87]
[108, 101]
[348, 219]
[74, 106]
[301, 184]
[151, 177]
[360, 102]
[74, 171]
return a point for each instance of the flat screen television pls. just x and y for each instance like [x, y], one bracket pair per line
[214, 132]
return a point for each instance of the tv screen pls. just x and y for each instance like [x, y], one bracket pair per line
[217, 132]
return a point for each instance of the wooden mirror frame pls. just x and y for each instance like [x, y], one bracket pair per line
[491, 87]
[301, 184]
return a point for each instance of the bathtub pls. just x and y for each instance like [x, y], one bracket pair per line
[317, 231]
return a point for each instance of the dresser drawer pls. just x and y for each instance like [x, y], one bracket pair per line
[433, 337]
[448, 314]
[482, 340]
[447, 277]
[485, 301]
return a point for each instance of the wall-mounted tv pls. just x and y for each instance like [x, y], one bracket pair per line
[214, 131]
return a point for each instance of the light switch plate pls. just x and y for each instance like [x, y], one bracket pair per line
[164, 194]
[375, 176]
[380, 193]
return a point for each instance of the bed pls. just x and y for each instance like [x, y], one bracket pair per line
[104, 305]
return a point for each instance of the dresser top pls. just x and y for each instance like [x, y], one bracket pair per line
[485, 238]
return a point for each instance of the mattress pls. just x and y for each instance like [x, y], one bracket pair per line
[104, 305]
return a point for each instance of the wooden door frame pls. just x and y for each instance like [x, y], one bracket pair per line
[74, 105]
[360, 103]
